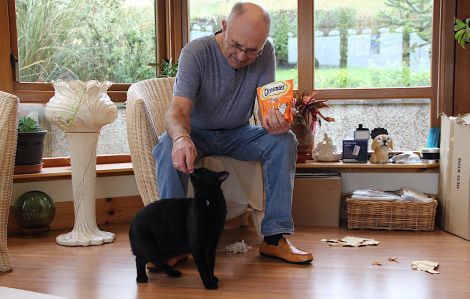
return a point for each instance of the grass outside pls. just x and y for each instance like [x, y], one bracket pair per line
[359, 77]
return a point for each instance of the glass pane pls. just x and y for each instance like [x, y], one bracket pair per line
[85, 39]
[406, 120]
[205, 18]
[372, 43]
[112, 139]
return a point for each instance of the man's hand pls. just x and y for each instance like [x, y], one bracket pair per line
[275, 123]
[183, 154]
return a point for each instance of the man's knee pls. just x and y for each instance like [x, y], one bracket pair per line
[287, 141]
[282, 144]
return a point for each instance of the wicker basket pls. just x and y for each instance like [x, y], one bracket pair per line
[391, 215]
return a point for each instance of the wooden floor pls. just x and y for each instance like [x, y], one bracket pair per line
[108, 271]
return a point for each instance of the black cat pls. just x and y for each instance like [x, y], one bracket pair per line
[171, 227]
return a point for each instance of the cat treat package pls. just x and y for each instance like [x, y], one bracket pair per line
[277, 95]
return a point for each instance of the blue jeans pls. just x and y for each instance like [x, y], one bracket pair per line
[277, 153]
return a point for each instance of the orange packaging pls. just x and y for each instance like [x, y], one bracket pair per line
[277, 95]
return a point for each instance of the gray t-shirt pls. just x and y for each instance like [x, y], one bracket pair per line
[223, 97]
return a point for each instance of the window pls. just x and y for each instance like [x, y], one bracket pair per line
[371, 59]
[406, 120]
[376, 45]
[112, 140]
[373, 67]
[205, 18]
[86, 40]
[372, 45]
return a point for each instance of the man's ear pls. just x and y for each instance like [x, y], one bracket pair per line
[224, 25]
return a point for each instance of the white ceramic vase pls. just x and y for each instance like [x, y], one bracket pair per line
[81, 109]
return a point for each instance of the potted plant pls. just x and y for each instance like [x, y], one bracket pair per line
[462, 31]
[307, 118]
[168, 68]
[30, 146]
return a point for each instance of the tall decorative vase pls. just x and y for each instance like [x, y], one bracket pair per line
[81, 109]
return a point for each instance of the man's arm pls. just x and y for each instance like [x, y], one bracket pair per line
[274, 122]
[177, 124]
[177, 117]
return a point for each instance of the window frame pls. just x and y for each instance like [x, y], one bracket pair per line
[172, 33]
[306, 68]
[170, 38]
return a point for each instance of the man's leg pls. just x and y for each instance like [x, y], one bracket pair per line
[277, 154]
[171, 182]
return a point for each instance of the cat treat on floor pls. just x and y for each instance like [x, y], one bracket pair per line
[350, 241]
[236, 247]
[426, 266]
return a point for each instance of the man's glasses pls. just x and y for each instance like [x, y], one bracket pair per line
[250, 53]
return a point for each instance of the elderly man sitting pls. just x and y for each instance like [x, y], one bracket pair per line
[213, 99]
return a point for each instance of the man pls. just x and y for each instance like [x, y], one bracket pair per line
[213, 99]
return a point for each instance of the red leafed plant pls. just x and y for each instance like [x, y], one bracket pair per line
[307, 110]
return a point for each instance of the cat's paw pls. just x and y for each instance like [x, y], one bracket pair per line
[174, 273]
[170, 271]
[211, 284]
[154, 269]
[142, 279]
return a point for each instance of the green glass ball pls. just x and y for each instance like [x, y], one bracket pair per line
[34, 209]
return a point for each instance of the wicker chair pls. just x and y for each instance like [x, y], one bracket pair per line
[147, 101]
[8, 118]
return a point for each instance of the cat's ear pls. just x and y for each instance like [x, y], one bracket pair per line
[222, 176]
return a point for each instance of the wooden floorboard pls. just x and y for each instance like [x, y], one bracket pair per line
[108, 271]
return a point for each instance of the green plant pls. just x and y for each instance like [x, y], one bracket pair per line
[307, 110]
[28, 124]
[168, 68]
[54, 36]
[462, 31]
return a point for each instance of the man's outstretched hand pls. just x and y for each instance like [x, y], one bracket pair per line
[184, 154]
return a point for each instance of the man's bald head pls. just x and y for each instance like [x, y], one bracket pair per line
[254, 12]
[244, 34]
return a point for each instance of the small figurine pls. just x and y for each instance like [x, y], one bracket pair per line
[324, 151]
[381, 144]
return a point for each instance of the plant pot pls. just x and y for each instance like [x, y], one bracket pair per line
[29, 151]
[305, 138]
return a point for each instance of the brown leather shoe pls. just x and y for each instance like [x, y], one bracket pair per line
[286, 251]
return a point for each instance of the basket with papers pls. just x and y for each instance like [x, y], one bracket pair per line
[404, 210]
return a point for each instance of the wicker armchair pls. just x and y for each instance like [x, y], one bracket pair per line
[147, 101]
[8, 118]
